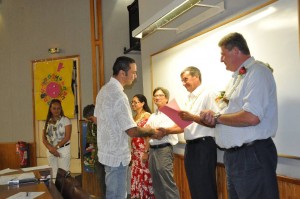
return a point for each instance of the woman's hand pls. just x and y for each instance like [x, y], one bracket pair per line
[54, 151]
[145, 157]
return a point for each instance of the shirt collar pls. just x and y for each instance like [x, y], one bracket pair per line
[196, 92]
[247, 64]
[157, 112]
[117, 83]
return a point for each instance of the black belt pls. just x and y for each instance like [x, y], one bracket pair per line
[65, 145]
[159, 146]
[245, 145]
[197, 140]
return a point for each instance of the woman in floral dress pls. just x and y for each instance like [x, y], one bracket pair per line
[141, 182]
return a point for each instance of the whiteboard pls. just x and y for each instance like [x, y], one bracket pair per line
[272, 34]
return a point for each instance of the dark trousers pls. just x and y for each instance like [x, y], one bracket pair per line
[251, 171]
[200, 161]
[100, 173]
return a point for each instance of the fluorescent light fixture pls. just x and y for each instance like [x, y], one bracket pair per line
[211, 12]
[166, 15]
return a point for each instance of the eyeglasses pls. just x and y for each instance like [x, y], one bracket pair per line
[159, 95]
[133, 102]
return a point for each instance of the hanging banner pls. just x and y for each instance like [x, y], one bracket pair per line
[53, 80]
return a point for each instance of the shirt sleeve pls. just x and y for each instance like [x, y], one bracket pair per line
[257, 97]
[123, 114]
[67, 121]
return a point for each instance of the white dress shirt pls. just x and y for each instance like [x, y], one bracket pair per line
[159, 119]
[201, 98]
[256, 93]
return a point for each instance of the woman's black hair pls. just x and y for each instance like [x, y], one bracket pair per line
[49, 115]
[142, 98]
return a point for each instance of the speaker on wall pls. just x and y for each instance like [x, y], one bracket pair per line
[133, 11]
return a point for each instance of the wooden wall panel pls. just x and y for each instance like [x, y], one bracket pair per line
[221, 182]
[91, 184]
[180, 177]
[97, 46]
[289, 188]
[10, 159]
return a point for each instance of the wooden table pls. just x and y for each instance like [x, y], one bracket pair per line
[50, 191]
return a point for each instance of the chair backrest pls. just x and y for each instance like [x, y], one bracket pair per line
[68, 186]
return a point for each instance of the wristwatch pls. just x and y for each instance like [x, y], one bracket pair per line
[216, 116]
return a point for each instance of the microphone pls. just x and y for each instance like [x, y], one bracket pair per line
[22, 181]
[29, 180]
[34, 180]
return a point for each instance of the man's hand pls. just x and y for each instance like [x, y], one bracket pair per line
[159, 133]
[184, 115]
[207, 117]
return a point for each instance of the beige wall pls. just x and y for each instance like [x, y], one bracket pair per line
[116, 36]
[27, 30]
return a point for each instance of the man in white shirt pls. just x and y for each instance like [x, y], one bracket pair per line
[246, 123]
[161, 151]
[200, 155]
[114, 125]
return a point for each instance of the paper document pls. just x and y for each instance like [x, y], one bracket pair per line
[35, 168]
[8, 170]
[171, 110]
[26, 195]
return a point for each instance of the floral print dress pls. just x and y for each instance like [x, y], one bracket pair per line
[141, 182]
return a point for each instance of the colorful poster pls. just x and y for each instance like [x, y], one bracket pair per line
[53, 80]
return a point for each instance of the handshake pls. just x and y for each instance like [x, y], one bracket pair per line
[158, 133]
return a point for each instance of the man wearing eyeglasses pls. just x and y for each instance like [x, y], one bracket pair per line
[161, 151]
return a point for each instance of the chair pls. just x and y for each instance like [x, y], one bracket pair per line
[68, 186]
